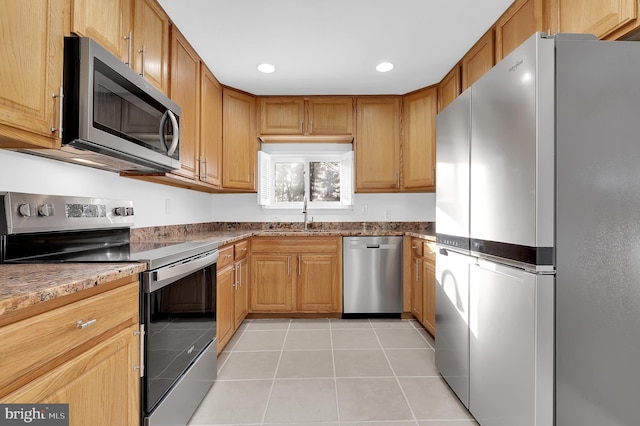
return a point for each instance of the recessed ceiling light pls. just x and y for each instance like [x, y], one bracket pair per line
[384, 67]
[266, 68]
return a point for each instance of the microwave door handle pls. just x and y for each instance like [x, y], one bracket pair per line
[163, 121]
[176, 133]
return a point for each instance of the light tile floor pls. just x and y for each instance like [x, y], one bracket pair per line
[328, 373]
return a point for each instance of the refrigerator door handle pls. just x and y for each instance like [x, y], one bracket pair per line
[501, 269]
[444, 252]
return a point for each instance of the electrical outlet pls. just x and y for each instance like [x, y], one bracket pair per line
[365, 209]
[167, 205]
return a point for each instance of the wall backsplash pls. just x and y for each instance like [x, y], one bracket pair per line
[161, 205]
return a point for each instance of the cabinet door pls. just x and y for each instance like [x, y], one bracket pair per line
[101, 385]
[107, 22]
[449, 88]
[330, 116]
[151, 43]
[239, 142]
[30, 72]
[429, 295]
[317, 283]
[419, 140]
[518, 23]
[281, 116]
[271, 282]
[185, 91]
[478, 60]
[210, 128]
[607, 19]
[417, 289]
[241, 292]
[377, 146]
[224, 305]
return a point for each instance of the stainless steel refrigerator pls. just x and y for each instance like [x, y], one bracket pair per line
[554, 278]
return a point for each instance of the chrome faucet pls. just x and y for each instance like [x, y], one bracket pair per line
[304, 211]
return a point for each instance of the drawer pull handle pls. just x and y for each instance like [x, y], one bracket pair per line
[82, 325]
[228, 256]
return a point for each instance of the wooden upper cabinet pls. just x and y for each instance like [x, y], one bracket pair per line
[107, 22]
[185, 91]
[478, 60]
[377, 144]
[30, 72]
[330, 116]
[239, 141]
[281, 116]
[419, 139]
[606, 19]
[297, 115]
[518, 23]
[210, 161]
[151, 43]
[449, 88]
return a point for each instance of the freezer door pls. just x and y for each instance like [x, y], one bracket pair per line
[453, 127]
[511, 346]
[452, 320]
[512, 169]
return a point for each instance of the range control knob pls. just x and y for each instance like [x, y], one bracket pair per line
[123, 211]
[46, 210]
[24, 210]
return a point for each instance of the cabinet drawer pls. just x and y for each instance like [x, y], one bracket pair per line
[416, 247]
[241, 249]
[295, 244]
[225, 256]
[30, 344]
[429, 250]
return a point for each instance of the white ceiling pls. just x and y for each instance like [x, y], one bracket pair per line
[332, 46]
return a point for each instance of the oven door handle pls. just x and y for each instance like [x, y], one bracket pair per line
[155, 280]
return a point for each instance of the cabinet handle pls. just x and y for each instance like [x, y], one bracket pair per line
[142, 51]
[60, 97]
[300, 126]
[417, 270]
[288, 265]
[311, 126]
[398, 180]
[82, 325]
[235, 277]
[129, 39]
[239, 275]
[433, 175]
[141, 334]
[299, 268]
[205, 170]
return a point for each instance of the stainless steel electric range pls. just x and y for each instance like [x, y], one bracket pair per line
[177, 294]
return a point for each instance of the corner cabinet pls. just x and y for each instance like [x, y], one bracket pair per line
[419, 140]
[296, 274]
[377, 144]
[239, 141]
[232, 290]
[31, 73]
[95, 369]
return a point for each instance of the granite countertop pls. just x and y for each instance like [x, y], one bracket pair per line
[26, 285]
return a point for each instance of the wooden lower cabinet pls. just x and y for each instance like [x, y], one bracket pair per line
[420, 270]
[296, 274]
[96, 370]
[232, 290]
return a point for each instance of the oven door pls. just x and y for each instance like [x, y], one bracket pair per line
[179, 314]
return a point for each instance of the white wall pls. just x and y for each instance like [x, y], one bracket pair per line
[157, 204]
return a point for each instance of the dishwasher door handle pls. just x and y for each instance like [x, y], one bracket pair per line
[373, 245]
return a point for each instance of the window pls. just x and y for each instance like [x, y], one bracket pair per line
[323, 179]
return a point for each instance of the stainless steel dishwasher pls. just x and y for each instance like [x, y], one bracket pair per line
[372, 276]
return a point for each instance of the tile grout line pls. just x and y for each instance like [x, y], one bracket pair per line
[275, 374]
[395, 376]
[335, 379]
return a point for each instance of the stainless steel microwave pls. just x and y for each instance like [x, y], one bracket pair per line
[112, 117]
